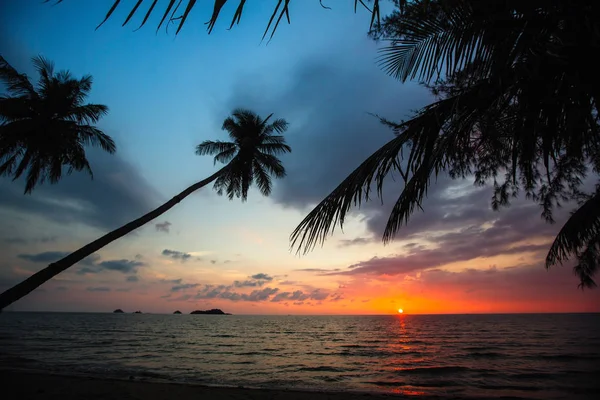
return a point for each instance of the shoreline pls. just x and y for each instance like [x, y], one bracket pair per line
[40, 384]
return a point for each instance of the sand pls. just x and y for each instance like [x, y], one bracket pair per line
[24, 385]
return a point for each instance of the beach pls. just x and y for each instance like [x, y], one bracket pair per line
[39, 385]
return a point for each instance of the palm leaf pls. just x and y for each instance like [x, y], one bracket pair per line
[17, 84]
[582, 227]
[273, 23]
[210, 147]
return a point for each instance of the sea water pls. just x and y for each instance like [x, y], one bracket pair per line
[539, 356]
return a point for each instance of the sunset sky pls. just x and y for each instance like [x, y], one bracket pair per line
[167, 94]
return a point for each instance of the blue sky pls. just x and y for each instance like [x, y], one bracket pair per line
[168, 93]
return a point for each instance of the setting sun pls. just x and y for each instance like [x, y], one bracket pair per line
[400, 310]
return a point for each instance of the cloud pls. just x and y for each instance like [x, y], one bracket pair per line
[354, 242]
[117, 193]
[250, 283]
[299, 295]
[176, 255]
[184, 286]
[53, 256]
[225, 292]
[98, 289]
[317, 270]
[92, 265]
[124, 266]
[45, 257]
[330, 106]
[132, 278]
[163, 226]
[174, 281]
[23, 241]
[526, 288]
[262, 277]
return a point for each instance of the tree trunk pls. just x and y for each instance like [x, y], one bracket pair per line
[22, 289]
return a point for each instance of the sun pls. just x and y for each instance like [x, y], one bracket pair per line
[400, 311]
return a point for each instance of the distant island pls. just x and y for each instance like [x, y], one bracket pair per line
[177, 312]
[137, 312]
[118, 311]
[214, 311]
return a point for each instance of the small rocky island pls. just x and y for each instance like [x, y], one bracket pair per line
[214, 311]
[137, 312]
[118, 311]
[177, 312]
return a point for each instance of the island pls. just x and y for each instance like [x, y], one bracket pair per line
[177, 312]
[118, 311]
[137, 312]
[214, 311]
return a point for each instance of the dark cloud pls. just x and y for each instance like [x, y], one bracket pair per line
[317, 270]
[23, 241]
[116, 194]
[98, 289]
[132, 278]
[53, 256]
[329, 105]
[331, 134]
[124, 266]
[248, 283]
[262, 277]
[176, 255]
[255, 280]
[45, 257]
[173, 281]
[527, 288]
[299, 295]
[184, 286]
[226, 292]
[354, 242]
[163, 226]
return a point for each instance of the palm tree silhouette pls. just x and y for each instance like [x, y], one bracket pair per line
[251, 157]
[517, 108]
[44, 129]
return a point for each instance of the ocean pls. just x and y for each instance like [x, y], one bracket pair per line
[534, 356]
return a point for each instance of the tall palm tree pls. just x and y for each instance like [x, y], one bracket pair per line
[517, 108]
[251, 157]
[44, 129]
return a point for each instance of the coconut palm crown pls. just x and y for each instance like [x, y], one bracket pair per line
[45, 128]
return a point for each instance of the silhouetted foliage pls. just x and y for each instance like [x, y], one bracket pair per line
[251, 156]
[45, 128]
[177, 12]
[516, 109]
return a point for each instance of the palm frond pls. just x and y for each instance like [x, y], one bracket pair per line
[271, 164]
[439, 135]
[16, 83]
[45, 68]
[88, 113]
[280, 10]
[355, 189]
[210, 147]
[92, 136]
[278, 126]
[582, 227]
[262, 178]
[226, 155]
[274, 148]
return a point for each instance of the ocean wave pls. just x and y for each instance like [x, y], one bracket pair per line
[323, 368]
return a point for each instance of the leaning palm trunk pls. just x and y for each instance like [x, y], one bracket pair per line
[34, 281]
